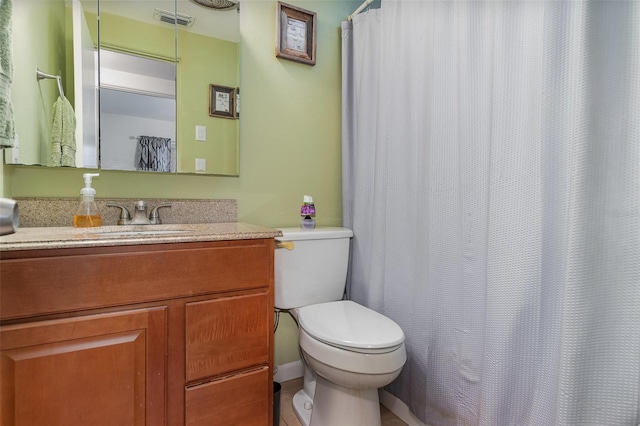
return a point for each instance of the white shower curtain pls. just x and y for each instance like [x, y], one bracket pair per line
[491, 175]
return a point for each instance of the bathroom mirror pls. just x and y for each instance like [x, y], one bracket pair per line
[137, 44]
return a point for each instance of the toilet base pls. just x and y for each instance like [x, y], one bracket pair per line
[303, 399]
[302, 406]
[337, 405]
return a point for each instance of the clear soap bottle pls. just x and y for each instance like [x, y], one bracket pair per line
[88, 214]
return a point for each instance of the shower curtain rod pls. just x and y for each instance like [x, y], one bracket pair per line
[138, 137]
[359, 9]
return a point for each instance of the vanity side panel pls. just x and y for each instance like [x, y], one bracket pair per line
[59, 280]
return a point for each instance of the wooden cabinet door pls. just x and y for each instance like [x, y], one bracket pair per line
[237, 400]
[102, 370]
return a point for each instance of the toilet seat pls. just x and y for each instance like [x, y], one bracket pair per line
[347, 360]
[347, 325]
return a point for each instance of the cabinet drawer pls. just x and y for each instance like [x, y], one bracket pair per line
[71, 280]
[226, 334]
[242, 399]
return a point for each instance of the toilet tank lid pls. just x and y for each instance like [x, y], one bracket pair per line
[298, 234]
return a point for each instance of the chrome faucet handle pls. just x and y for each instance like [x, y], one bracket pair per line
[125, 217]
[154, 216]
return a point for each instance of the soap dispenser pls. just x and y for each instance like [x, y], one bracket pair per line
[88, 214]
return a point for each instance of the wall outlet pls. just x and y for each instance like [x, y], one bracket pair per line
[201, 165]
[201, 133]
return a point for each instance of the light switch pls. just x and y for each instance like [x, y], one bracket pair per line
[201, 164]
[15, 151]
[201, 133]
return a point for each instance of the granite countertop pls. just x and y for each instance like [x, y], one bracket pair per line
[69, 237]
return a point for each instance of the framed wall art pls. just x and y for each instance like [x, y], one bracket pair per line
[296, 34]
[237, 102]
[222, 101]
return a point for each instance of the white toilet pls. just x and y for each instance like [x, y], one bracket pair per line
[349, 350]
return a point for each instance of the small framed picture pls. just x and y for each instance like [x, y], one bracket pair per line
[296, 34]
[222, 101]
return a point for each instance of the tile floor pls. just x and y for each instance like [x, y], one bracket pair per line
[288, 417]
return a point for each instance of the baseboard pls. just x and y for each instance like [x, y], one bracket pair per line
[399, 408]
[289, 371]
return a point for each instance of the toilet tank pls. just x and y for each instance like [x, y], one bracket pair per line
[315, 270]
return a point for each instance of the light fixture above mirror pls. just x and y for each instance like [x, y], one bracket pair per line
[218, 4]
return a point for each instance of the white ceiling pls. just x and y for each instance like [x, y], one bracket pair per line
[137, 105]
[223, 24]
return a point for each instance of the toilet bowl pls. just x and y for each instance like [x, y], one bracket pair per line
[349, 351]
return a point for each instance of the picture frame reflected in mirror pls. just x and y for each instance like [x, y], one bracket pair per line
[222, 101]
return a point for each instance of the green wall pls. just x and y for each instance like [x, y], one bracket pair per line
[204, 61]
[290, 140]
[38, 42]
[119, 32]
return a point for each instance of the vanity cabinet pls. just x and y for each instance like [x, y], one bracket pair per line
[154, 334]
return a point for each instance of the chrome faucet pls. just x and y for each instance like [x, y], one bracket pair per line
[139, 215]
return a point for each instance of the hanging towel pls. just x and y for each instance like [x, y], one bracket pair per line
[153, 154]
[63, 134]
[7, 129]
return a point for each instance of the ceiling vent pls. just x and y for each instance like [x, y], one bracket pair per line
[171, 18]
[218, 4]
